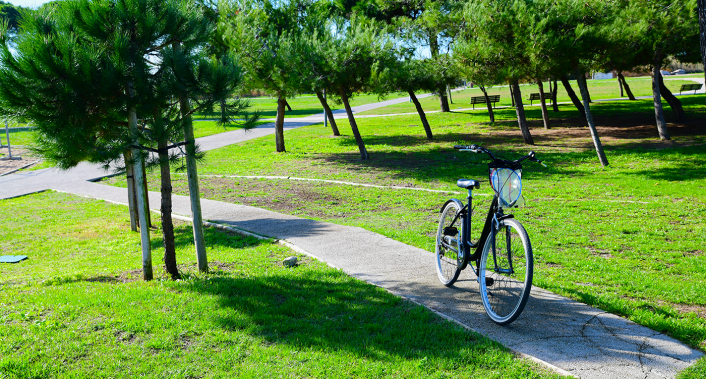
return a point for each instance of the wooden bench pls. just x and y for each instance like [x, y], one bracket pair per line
[481, 100]
[535, 96]
[690, 87]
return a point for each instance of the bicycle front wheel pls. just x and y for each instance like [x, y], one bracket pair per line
[506, 270]
[448, 244]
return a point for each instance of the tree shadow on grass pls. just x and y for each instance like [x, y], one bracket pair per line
[329, 311]
[447, 165]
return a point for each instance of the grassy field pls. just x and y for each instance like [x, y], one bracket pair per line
[307, 105]
[599, 89]
[78, 309]
[201, 129]
[628, 238]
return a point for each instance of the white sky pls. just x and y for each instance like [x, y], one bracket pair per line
[27, 3]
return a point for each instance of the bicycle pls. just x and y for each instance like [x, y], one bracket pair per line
[503, 252]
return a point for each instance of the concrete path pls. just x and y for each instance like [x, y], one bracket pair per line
[568, 336]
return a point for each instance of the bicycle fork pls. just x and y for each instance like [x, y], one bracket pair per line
[508, 250]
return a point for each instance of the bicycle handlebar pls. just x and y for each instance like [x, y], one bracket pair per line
[480, 149]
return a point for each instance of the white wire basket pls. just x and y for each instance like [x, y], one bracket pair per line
[507, 184]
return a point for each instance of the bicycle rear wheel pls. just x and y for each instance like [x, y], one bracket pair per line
[448, 244]
[506, 270]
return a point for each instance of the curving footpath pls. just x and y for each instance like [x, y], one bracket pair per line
[569, 337]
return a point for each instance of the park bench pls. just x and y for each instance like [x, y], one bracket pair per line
[481, 100]
[690, 87]
[535, 96]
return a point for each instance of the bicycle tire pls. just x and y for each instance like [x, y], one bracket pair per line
[505, 293]
[448, 254]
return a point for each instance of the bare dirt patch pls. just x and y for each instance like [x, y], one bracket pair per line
[614, 131]
[10, 165]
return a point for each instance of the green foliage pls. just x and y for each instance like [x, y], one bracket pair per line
[12, 14]
[81, 64]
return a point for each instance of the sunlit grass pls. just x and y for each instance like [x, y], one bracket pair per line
[78, 308]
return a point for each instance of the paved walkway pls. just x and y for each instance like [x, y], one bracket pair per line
[571, 337]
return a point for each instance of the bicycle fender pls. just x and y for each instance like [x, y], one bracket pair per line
[457, 201]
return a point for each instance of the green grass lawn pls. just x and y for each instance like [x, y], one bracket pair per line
[78, 309]
[201, 129]
[307, 105]
[628, 238]
[599, 89]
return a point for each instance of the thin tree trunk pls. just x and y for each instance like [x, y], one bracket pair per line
[279, 125]
[147, 197]
[626, 86]
[520, 110]
[542, 100]
[141, 195]
[193, 178]
[358, 139]
[443, 99]
[223, 110]
[674, 103]
[657, 98]
[286, 104]
[170, 263]
[329, 114]
[512, 96]
[572, 95]
[620, 84]
[451, 101]
[487, 103]
[441, 88]
[422, 116]
[127, 156]
[555, 106]
[702, 31]
[581, 80]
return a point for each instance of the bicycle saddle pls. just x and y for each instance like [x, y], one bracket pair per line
[468, 183]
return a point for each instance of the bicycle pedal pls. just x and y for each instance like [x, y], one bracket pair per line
[450, 231]
[489, 282]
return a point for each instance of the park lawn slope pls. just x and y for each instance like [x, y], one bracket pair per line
[627, 238]
[77, 308]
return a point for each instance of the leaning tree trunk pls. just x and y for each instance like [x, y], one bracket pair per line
[520, 110]
[451, 100]
[170, 263]
[626, 86]
[589, 119]
[702, 31]
[286, 104]
[674, 103]
[572, 95]
[422, 115]
[329, 114]
[620, 85]
[358, 139]
[127, 156]
[279, 124]
[543, 101]
[657, 97]
[555, 106]
[488, 104]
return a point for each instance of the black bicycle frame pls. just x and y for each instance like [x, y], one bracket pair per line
[494, 213]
